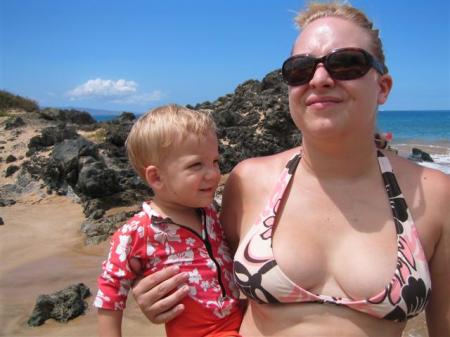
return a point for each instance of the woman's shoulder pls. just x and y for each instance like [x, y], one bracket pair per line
[256, 177]
[426, 189]
[262, 167]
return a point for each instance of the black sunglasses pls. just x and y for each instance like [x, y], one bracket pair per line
[342, 64]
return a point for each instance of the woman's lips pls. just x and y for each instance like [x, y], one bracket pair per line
[322, 101]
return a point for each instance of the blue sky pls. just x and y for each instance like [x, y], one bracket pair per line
[134, 55]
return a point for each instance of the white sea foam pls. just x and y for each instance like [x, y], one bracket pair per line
[441, 162]
[439, 152]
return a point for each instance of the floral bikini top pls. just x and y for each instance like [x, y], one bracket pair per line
[260, 278]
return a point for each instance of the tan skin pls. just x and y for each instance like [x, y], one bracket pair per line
[338, 176]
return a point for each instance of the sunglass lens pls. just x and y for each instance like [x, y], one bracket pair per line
[298, 70]
[347, 65]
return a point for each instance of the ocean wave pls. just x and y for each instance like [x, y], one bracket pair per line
[441, 162]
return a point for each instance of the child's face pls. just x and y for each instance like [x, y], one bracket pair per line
[190, 172]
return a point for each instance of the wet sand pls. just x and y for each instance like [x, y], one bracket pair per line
[42, 251]
[437, 148]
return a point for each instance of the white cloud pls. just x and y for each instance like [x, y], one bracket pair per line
[103, 88]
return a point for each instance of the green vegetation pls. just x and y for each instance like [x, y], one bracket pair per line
[11, 101]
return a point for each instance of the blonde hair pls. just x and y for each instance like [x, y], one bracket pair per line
[317, 10]
[155, 132]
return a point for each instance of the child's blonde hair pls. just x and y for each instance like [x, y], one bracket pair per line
[153, 134]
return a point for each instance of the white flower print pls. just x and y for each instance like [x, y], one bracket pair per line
[210, 227]
[211, 265]
[106, 276]
[224, 252]
[222, 312]
[140, 231]
[166, 233]
[190, 242]
[194, 276]
[98, 303]
[150, 249]
[119, 305]
[219, 261]
[185, 257]
[130, 226]
[109, 266]
[205, 285]
[153, 263]
[192, 291]
[215, 286]
[203, 252]
[123, 247]
[120, 273]
[100, 299]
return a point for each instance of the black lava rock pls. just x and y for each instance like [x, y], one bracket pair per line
[62, 305]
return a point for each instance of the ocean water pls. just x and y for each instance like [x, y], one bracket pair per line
[426, 130]
[431, 126]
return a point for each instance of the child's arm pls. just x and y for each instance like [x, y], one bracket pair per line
[109, 323]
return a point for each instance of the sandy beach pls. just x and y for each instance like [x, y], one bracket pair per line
[42, 251]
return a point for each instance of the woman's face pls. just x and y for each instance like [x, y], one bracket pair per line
[325, 107]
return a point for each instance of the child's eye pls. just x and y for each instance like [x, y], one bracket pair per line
[195, 165]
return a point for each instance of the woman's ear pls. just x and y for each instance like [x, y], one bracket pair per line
[153, 177]
[385, 82]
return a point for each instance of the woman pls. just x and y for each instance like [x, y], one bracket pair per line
[334, 238]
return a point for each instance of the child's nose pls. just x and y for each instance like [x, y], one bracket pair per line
[212, 172]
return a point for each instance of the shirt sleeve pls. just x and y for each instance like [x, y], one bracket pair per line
[115, 281]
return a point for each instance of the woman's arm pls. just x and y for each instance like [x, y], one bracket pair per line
[153, 292]
[232, 207]
[109, 323]
[438, 310]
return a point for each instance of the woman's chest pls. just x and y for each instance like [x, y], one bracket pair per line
[343, 250]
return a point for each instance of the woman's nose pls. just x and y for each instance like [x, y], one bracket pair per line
[321, 77]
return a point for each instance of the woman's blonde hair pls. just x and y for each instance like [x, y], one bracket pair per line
[317, 10]
[154, 133]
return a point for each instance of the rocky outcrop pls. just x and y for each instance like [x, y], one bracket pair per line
[11, 158]
[7, 202]
[11, 169]
[101, 230]
[62, 305]
[420, 155]
[51, 136]
[14, 123]
[68, 116]
[253, 121]
[91, 171]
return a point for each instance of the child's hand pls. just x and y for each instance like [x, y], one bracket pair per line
[155, 293]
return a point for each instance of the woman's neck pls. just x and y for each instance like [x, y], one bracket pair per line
[340, 159]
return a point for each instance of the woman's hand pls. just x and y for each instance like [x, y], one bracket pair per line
[159, 294]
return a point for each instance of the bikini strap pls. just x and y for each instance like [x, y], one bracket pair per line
[267, 217]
